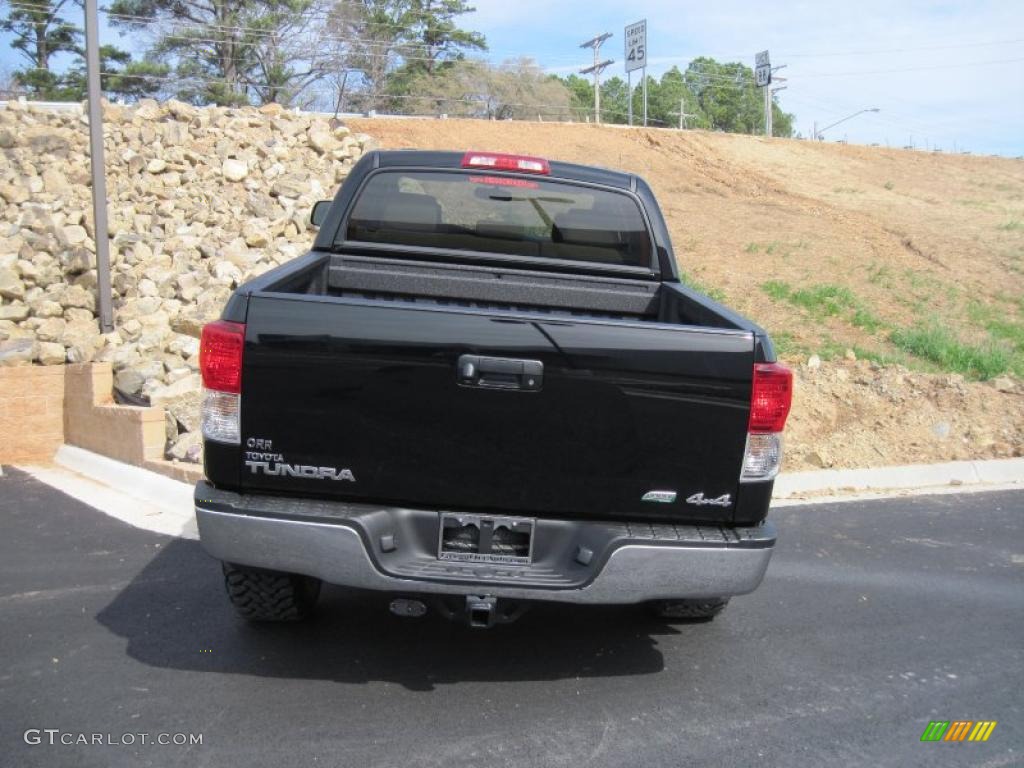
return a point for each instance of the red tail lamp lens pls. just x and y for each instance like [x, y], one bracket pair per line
[220, 356]
[771, 397]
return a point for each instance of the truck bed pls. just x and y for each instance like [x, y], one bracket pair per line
[423, 283]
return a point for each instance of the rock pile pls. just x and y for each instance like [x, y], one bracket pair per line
[200, 200]
[856, 413]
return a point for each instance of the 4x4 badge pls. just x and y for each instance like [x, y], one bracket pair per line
[725, 500]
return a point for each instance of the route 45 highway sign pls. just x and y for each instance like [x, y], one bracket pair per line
[762, 69]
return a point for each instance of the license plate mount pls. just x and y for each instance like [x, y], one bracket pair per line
[496, 539]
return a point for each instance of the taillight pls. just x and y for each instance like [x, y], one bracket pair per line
[220, 363]
[497, 161]
[770, 399]
[220, 356]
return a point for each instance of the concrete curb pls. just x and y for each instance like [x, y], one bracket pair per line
[131, 494]
[157, 503]
[910, 477]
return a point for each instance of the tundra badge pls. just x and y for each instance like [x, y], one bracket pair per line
[300, 470]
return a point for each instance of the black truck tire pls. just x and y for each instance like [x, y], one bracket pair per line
[261, 595]
[689, 610]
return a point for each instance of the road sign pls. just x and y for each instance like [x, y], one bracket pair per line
[762, 69]
[636, 46]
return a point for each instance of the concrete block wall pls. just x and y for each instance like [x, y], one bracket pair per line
[31, 413]
[93, 421]
[127, 433]
[42, 407]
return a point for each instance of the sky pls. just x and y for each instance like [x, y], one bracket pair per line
[942, 74]
[946, 75]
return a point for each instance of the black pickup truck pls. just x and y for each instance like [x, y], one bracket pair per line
[485, 385]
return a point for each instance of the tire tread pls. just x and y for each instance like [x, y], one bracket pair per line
[260, 595]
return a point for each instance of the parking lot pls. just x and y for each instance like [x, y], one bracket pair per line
[875, 618]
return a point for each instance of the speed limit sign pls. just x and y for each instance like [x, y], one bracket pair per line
[636, 46]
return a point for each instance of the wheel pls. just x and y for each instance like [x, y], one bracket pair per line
[689, 610]
[260, 595]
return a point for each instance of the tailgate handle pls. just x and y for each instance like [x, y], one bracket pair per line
[500, 373]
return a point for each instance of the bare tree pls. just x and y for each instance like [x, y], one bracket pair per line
[8, 85]
[373, 33]
[518, 89]
[292, 55]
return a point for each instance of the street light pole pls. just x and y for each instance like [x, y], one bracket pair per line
[817, 133]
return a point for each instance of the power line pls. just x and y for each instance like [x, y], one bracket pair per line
[559, 108]
[909, 69]
[829, 54]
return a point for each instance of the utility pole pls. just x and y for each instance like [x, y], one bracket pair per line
[596, 69]
[769, 94]
[645, 96]
[629, 90]
[99, 180]
[683, 114]
[771, 101]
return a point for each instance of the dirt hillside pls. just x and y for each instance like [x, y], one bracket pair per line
[911, 261]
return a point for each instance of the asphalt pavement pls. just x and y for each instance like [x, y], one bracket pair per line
[874, 619]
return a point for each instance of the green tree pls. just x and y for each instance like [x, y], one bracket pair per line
[232, 51]
[393, 44]
[375, 30]
[614, 100]
[40, 32]
[663, 102]
[782, 122]
[119, 76]
[581, 97]
[430, 42]
[713, 95]
[726, 94]
[434, 37]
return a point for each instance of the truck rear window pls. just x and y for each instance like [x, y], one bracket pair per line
[500, 214]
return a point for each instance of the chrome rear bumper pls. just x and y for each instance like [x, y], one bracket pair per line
[390, 549]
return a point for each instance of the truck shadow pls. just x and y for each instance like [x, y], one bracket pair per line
[175, 615]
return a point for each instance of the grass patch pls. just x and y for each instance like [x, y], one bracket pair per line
[786, 345]
[880, 275]
[825, 299]
[889, 185]
[882, 358]
[786, 249]
[776, 289]
[708, 290]
[1002, 329]
[1012, 225]
[939, 346]
[846, 191]
[863, 318]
